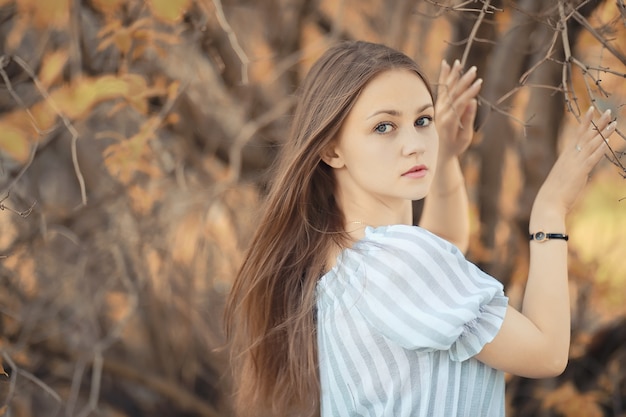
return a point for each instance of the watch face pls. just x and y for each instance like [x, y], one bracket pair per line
[539, 236]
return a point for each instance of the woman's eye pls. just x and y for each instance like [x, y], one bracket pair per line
[424, 121]
[383, 128]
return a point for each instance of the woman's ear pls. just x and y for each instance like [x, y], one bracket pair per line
[332, 158]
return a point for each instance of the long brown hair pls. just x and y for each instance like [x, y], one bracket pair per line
[270, 314]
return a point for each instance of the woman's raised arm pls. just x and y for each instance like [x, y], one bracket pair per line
[446, 206]
[535, 342]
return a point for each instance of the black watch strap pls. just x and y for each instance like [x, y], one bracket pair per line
[543, 236]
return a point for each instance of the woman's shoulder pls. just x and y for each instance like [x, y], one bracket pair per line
[390, 244]
[401, 236]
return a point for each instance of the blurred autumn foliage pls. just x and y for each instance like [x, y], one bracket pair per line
[134, 141]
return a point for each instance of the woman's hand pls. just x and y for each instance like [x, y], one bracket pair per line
[571, 170]
[455, 109]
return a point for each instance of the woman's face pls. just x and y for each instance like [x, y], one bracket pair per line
[386, 151]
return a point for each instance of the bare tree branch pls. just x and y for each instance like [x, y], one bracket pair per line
[66, 122]
[18, 371]
[23, 169]
[24, 213]
[232, 37]
[585, 23]
[461, 7]
[249, 130]
[483, 11]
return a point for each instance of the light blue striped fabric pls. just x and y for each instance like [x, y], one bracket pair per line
[399, 318]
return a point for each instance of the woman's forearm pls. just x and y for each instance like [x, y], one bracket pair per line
[546, 300]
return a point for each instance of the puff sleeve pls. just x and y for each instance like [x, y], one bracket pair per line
[420, 292]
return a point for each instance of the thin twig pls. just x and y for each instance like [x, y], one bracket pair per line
[459, 8]
[506, 96]
[616, 159]
[77, 379]
[4, 61]
[567, 51]
[163, 387]
[497, 109]
[621, 7]
[116, 331]
[24, 213]
[96, 378]
[248, 131]
[20, 174]
[232, 38]
[587, 73]
[524, 77]
[470, 40]
[585, 23]
[66, 122]
[16, 370]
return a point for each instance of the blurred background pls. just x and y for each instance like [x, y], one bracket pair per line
[135, 138]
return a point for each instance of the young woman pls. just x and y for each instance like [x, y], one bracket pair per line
[341, 306]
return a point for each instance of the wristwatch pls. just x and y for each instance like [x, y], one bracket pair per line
[543, 236]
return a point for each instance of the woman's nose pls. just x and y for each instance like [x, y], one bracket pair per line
[413, 142]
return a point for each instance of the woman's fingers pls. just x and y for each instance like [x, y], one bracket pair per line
[448, 79]
[455, 88]
[454, 75]
[444, 72]
[571, 171]
[593, 134]
[467, 120]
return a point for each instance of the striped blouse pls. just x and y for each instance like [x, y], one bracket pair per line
[399, 318]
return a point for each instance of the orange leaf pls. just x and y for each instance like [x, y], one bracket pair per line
[137, 87]
[172, 118]
[132, 155]
[14, 39]
[570, 402]
[109, 28]
[123, 39]
[169, 11]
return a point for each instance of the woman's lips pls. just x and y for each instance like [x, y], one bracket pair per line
[418, 171]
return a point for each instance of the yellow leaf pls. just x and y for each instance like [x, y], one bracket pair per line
[44, 117]
[52, 66]
[40, 119]
[14, 142]
[169, 11]
[76, 100]
[172, 90]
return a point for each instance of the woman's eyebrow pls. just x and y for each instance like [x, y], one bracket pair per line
[397, 113]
